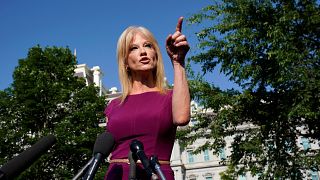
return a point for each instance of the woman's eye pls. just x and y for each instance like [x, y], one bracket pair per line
[133, 48]
[148, 45]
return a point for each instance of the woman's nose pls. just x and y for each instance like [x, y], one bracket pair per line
[143, 51]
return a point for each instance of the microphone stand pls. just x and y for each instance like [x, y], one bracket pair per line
[85, 168]
[132, 172]
[155, 164]
[132, 161]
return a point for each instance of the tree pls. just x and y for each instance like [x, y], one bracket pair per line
[270, 48]
[46, 98]
[8, 132]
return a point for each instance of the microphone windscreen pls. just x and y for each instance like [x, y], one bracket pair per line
[136, 146]
[104, 144]
[21, 162]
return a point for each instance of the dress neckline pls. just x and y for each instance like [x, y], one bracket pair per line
[143, 93]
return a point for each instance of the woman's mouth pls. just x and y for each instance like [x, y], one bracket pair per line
[144, 60]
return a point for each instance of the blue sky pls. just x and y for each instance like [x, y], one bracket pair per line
[92, 28]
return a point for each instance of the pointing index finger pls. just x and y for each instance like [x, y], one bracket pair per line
[179, 25]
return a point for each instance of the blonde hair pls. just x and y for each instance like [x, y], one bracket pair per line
[123, 48]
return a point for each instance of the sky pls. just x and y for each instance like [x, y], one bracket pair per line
[92, 28]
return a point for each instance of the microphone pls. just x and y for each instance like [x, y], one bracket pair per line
[102, 148]
[155, 164]
[136, 148]
[21, 162]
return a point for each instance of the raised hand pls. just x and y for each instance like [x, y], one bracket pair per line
[177, 45]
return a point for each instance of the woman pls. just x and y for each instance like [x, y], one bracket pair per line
[147, 110]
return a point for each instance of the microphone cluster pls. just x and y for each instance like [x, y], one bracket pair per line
[150, 166]
[102, 148]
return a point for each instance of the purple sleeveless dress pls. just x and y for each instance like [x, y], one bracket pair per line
[146, 117]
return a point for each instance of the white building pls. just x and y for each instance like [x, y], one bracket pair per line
[206, 166]
[91, 76]
[202, 166]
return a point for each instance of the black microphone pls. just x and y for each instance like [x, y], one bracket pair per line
[136, 148]
[155, 164]
[102, 148]
[21, 162]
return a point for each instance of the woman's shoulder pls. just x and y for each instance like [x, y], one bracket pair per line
[114, 101]
[168, 92]
[111, 104]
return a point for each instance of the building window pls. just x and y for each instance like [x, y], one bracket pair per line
[190, 156]
[193, 122]
[314, 175]
[222, 154]
[305, 143]
[242, 177]
[208, 176]
[192, 177]
[258, 175]
[206, 156]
